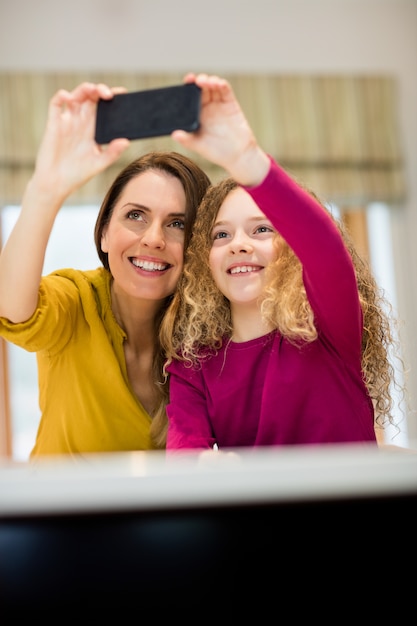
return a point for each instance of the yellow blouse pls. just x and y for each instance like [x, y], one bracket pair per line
[86, 402]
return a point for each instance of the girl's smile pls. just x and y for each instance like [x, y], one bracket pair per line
[242, 247]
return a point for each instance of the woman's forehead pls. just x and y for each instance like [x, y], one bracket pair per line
[154, 189]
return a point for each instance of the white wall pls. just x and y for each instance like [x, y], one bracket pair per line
[285, 36]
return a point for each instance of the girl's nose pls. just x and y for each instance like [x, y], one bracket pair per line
[241, 244]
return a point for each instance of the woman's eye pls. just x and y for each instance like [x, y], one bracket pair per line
[220, 235]
[178, 224]
[135, 215]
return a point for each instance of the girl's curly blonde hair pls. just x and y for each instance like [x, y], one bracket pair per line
[199, 318]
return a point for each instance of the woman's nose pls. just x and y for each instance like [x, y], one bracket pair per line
[153, 237]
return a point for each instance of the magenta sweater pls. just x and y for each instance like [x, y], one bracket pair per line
[267, 391]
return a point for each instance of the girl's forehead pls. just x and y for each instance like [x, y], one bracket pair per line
[238, 205]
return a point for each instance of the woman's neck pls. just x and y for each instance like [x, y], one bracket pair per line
[135, 317]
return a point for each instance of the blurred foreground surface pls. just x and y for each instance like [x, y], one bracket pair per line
[107, 532]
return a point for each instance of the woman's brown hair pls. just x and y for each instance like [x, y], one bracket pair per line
[195, 183]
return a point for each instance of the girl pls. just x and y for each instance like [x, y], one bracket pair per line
[277, 333]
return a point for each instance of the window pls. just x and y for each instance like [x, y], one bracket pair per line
[71, 245]
[382, 262]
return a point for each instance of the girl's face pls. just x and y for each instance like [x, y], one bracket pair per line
[144, 239]
[242, 247]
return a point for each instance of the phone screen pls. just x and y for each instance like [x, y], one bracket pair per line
[149, 113]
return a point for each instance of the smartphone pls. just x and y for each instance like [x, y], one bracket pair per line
[149, 113]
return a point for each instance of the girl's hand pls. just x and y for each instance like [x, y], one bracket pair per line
[224, 136]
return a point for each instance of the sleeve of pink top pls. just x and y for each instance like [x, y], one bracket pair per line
[328, 270]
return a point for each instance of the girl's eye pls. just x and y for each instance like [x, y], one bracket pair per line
[264, 229]
[178, 224]
[221, 234]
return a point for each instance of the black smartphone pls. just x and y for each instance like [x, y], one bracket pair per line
[149, 113]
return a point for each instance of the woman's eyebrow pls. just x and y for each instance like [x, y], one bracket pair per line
[147, 209]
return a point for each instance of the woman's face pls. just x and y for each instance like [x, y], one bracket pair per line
[242, 247]
[144, 239]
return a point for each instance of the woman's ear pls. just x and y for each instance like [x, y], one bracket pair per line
[103, 242]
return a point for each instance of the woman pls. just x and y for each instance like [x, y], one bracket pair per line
[96, 332]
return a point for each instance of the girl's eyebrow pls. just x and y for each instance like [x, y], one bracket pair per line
[260, 218]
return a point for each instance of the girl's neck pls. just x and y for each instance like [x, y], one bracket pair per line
[248, 324]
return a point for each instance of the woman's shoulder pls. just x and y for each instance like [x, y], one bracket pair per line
[98, 278]
[93, 276]
[85, 283]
